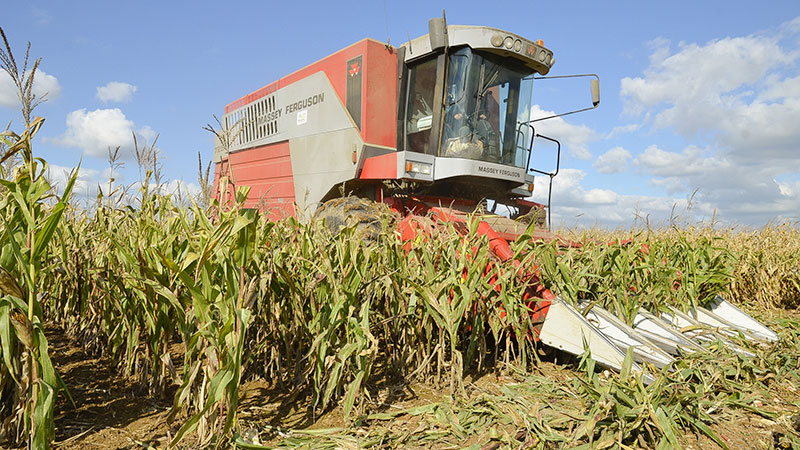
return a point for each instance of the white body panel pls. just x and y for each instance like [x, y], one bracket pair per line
[741, 320]
[566, 329]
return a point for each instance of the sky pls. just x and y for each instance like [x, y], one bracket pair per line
[699, 119]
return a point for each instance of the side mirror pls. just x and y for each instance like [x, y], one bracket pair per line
[594, 86]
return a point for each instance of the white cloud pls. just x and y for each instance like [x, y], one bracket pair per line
[793, 26]
[741, 202]
[789, 189]
[779, 89]
[181, 190]
[623, 129]
[736, 101]
[663, 163]
[44, 86]
[111, 173]
[601, 197]
[85, 191]
[737, 192]
[694, 79]
[612, 161]
[740, 96]
[568, 190]
[734, 89]
[85, 184]
[575, 204]
[575, 138]
[146, 134]
[95, 131]
[116, 91]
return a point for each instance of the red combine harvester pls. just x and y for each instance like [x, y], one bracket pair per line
[439, 127]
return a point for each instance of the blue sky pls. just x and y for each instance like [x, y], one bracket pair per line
[700, 100]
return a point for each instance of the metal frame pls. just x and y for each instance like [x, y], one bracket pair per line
[594, 104]
[549, 174]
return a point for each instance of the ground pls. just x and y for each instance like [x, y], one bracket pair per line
[110, 413]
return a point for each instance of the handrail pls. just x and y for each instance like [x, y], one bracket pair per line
[549, 174]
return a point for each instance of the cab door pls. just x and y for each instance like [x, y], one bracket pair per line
[421, 124]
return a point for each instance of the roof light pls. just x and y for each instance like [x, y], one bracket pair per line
[497, 40]
[508, 42]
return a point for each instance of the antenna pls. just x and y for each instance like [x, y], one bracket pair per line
[447, 41]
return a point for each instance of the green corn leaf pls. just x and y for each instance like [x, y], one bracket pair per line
[48, 372]
[627, 364]
[240, 442]
[44, 234]
[216, 390]
[14, 246]
[73, 176]
[668, 426]
[7, 337]
[24, 209]
[349, 399]
[700, 426]
[43, 417]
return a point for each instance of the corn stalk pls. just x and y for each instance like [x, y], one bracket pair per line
[30, 220]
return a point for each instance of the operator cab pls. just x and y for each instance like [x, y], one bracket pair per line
[485, 112]
[464, 106]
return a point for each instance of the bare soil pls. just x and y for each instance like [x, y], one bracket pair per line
[110, 412]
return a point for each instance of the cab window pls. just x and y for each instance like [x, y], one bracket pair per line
[419, 110]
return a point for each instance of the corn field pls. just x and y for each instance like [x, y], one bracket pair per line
[234, 297]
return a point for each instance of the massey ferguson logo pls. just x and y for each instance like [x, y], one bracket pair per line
[354, 69]
[496, 171]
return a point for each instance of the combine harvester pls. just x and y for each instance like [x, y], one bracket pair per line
[439, 127]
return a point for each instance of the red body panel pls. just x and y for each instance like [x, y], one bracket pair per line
[383, 167]
[268, 172]
[379, 90]
[379, 104]
[530, 203]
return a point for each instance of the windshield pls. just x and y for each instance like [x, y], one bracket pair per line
[487, 108]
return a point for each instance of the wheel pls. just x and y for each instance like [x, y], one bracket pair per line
[366, 215]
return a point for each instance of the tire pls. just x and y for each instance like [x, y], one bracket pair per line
[366, 215]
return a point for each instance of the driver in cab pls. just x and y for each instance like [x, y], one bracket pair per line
[470, 136]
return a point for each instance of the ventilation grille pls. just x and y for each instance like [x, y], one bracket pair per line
[253, 122]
